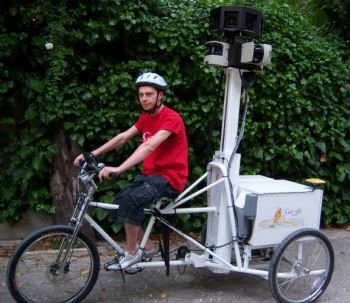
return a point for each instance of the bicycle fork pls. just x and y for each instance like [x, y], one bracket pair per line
[65, 251]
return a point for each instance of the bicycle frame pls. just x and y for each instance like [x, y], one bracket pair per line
[208, 258]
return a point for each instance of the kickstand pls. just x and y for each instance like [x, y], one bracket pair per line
[166, 248]
[123, 275]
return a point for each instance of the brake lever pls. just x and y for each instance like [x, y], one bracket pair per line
[82, 162]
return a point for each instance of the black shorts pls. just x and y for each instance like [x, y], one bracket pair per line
[138, 195]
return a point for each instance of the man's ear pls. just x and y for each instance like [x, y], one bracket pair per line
[160, 94]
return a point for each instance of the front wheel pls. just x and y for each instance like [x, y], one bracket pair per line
[35, 271]
[301, 267]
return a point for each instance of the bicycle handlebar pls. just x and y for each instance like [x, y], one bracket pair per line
[90, 164]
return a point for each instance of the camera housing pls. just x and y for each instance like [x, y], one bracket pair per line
[256, 53]
[233, 20]
[239, 26]
[217, 53]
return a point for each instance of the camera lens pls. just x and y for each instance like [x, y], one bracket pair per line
[258, 53]
[215, 49]
[231, 19]
[250, 21]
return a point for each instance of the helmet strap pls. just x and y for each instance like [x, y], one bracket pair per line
[156, 106]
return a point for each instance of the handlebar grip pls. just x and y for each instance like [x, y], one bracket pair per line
[90, 158]
[114, 176]
[81, 162]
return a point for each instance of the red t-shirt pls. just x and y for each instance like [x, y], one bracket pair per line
[169, 159]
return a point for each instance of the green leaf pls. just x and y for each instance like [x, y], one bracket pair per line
[116, 228]
[36, 85]
[68, 125]
[38, 164]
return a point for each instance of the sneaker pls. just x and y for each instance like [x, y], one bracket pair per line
[127, 260]
[150, 253]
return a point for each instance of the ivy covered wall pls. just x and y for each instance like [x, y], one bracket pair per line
[56, 101]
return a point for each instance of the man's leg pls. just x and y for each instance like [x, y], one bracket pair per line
[135, 233]
[149, 244]
[132, 232]
[132, 201]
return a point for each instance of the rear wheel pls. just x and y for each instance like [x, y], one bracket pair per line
[36, 274]
[301, 267]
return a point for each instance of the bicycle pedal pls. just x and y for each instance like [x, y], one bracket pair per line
[112, 265]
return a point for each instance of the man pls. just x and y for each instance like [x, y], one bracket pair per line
[163, 151]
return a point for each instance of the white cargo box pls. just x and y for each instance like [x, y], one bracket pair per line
[281, 208]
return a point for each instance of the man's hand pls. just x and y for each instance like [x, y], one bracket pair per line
[107, 172]
[77, 160]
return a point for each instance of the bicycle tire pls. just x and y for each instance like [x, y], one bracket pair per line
[301, 267]
[32, 270]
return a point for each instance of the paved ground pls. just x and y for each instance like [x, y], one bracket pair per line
[201, 285]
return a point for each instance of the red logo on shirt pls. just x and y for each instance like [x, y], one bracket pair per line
[146, 136]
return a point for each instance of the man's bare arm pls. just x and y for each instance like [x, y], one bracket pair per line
[145, 149]
[114, 143]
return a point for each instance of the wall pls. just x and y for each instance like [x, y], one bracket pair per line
[29, 223]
